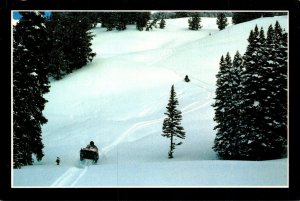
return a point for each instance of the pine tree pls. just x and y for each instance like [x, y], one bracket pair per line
[141, 20]
[30, 83]
[194, 22]
[276, 70]
[221, 21]
[108, 20]
[151, 24]
[162, 24]
[58, 64]
[252, 115]
[227, 109]
[121, 21]
[171, 125]
[225, 136]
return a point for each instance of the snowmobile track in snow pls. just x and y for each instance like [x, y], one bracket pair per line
[70, 177]
[131, 130]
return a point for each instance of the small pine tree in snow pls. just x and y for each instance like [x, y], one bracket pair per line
[171, 125]
[162, 24]
[194, 22]
[221, 21]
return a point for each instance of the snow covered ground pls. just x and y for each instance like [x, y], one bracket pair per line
[119, 100]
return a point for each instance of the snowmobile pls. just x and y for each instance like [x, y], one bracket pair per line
[89, 153]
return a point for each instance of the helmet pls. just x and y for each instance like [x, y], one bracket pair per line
[92, 143]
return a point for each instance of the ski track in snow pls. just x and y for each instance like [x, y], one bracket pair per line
[70, 177]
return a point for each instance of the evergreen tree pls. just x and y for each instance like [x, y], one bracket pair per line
[194, 22]
[254, 139]
[221, 21]
[141, 20]
[30, 83]
[276, 71]
[227, 109]
[223, 141]
[162, 24]
[131, 17]
[108, 20]
[171, 125]
[121, 21]
[58, 64]
[151, 24]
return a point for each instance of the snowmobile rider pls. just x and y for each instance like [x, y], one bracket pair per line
[57, 160]
[92, 145]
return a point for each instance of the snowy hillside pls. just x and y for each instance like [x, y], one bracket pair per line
[119, 100]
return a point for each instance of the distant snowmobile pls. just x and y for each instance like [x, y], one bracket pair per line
[90, 152]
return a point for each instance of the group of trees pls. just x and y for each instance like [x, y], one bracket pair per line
[146, 20]
[70, 47]
[42, 48]
[251, 99]
[239, 17]
[173, 15]
[195, 21]
[120, 20]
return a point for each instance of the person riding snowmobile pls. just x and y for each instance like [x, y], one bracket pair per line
[92, 146]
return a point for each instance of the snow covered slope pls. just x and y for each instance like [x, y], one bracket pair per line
[119, 100]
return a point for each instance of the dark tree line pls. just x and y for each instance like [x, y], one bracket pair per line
[239, 17]
[120, 20]
[200, 14]
[251, 99]
[42, 48]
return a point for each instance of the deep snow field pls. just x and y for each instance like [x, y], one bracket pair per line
[119, 100]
